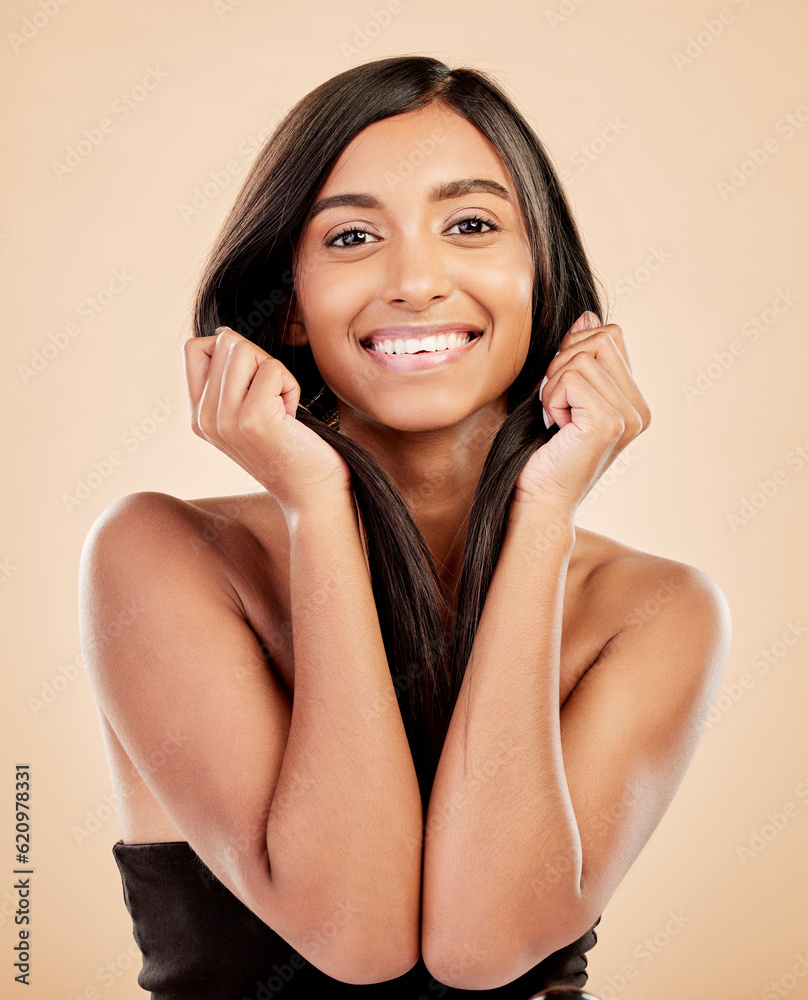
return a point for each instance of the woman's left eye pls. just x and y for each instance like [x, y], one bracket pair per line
[476, 219]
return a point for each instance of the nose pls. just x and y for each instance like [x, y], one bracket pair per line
[416, 273]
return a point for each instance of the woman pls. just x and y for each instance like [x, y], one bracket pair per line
[317, 783]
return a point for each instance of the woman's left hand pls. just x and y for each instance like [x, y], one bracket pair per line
[590, 392]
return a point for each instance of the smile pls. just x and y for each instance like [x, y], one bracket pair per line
[414, 354]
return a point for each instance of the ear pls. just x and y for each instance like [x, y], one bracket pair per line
[295, 333]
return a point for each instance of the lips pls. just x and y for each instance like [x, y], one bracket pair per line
[423, 360]
[412, 332]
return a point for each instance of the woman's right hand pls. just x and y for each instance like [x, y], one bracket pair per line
[244, 401]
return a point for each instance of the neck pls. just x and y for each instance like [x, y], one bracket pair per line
[436, 472]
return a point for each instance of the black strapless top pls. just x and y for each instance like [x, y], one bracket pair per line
[200, 942]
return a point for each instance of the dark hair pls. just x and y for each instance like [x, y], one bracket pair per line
[247, 284]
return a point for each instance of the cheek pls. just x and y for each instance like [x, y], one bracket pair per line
[332, 311]
[506, 281]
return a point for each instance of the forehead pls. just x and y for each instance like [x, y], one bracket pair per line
[415, 148]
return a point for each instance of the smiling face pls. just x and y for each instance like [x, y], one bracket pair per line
[401, 246]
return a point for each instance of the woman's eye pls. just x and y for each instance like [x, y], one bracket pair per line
[356, 237]
[352, 243]
[476, 219]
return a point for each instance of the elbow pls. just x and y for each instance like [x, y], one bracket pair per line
[341, 939]
[362, 956]
[487, 961]
[372, 962]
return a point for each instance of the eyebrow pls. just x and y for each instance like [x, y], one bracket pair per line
[440, 192]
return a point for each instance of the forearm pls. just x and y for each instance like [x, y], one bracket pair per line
[500, 806]
[351, 840]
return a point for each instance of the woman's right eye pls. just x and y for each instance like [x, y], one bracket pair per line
[332, 242]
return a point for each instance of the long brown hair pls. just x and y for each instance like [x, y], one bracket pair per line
[247, 284]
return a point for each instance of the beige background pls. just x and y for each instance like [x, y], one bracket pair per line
[650, 188]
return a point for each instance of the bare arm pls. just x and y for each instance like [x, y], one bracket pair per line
[500, 802]
[306, 812]
[525, 846]
[357, 834]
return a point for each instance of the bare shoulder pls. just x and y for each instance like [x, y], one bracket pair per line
[231, 530]
[231, 549]
[632, 587]
[635, 589]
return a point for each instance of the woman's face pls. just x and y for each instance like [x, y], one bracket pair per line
[411, 244]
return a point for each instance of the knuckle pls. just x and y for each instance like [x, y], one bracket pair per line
[224, 425]
[227, 336]
[249, 424]
[635, 424]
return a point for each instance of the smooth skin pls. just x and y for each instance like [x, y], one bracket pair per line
[292, 779]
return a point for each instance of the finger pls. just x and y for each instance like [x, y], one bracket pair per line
[576, 336]
[253, 378]
[273, 394]
[209, 403]
[601, 345]
[557, 401]
[586, 321]
[594, 415]
[196, 361]
[240, 365]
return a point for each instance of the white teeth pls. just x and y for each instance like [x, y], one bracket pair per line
[441, 342]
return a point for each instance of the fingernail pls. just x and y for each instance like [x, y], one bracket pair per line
[547, 420]
[219, 329]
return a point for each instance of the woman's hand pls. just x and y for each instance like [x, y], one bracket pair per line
[244, 401]
[590, 392]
